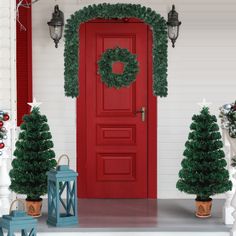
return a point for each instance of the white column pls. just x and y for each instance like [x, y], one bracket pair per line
[232, 143]
[5, 163]
[4, 187]
[233, 203]
[7, 96]
[228, 209]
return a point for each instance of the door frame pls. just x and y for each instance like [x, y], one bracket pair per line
[81, 120]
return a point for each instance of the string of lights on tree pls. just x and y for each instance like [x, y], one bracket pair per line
[4, 116]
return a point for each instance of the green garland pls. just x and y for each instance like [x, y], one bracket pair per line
[109, 11]
[112, 55]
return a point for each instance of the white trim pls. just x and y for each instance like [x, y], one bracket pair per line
[13, 95]
[13, 72]
[133, 234]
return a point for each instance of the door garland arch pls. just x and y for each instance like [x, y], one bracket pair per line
[109, 11]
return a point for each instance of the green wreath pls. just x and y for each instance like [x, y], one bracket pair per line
[106, 61]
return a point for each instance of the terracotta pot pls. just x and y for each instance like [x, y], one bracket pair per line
[34, 207]
[203, 208]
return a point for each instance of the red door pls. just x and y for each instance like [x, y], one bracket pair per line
[112, 137]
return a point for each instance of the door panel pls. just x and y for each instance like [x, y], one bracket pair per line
[116, 137]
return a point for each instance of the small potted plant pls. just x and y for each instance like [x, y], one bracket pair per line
[34, 158]
[203, 170]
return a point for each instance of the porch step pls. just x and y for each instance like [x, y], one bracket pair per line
[136, 234]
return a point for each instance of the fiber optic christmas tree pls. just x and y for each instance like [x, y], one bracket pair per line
[34, 156]
[203, 169]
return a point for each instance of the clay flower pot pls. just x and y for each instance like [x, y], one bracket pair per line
[203, 208]
[34, 207]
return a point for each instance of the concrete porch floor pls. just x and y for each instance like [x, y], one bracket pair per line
[132, 215]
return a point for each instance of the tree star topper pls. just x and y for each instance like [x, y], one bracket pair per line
[204, 103]
[34, 104]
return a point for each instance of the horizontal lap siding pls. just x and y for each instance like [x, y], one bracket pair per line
[203, 64]
[5, 55]
[7, 69]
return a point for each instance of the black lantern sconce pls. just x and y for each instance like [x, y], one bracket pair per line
[56, 25]
[173, 25]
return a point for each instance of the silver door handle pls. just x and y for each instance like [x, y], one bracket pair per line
[143, 113]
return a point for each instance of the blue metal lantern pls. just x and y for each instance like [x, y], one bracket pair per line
[62, 182]
[18, 221]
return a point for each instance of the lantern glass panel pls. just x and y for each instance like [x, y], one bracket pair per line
[55, 32]
[67, 198]
[173, 32]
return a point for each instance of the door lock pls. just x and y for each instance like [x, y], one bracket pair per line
[143, 113]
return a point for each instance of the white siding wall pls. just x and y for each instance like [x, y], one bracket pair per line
[201, 65]
[7, 65]
[5, 54]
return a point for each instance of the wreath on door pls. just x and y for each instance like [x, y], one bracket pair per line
[105, 70]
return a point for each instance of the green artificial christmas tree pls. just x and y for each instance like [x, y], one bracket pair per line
[203, 170]
[34, 157]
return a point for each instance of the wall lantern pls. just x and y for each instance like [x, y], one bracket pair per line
[173, 25]
[18, 220]
[56, 25]
[62, 182]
